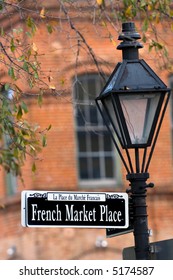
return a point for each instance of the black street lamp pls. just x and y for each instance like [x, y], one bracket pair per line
[133, 103]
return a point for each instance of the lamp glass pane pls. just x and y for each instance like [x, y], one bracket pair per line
[114, 118]
[139, 111]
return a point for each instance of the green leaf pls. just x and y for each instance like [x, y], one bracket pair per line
[145, 25]
[31, 82]
[33, 167]
[19, 112]
[36, 76]
[24, 107]
[7, 86]
[40, 99]
[49, 127]
[1, 5]
[143, 3]
[12, 45]
[2, 31]
[44, 141]
[29, 34]
[25, 66]
[17, 30]
[31, 24]
[11, 73]
[49, 28]
[21, 58]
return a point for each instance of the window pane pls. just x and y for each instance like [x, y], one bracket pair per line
[80, 116]
[93, 115]
[11, 182]
[107, 142]
[96, 168]
[79, 92]
[83, 168]
[94, 142]
[91, 88]
[109, 167]
[82, 141]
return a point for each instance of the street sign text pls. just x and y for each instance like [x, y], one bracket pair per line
[64, 209]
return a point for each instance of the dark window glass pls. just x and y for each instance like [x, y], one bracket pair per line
[107, 142]
[108, 167]
[83, 168]
[93, 115]
[96, 168]
[94, 142]
[82, 141]
[80, 117]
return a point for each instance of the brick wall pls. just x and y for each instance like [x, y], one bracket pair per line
[57, 166]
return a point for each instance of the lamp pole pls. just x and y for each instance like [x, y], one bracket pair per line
[138, 195]
[133, 104]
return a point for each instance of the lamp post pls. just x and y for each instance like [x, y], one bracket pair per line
[133, 103]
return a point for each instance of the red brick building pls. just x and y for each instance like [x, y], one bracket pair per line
[78, 157]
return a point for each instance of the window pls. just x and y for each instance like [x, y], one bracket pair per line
[97, 164]
[10, 179]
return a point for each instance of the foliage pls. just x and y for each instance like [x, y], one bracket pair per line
[18, 137]
[22, 62]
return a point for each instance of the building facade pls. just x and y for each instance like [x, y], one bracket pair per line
[79, 155]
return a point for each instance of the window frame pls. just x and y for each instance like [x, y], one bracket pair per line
[103, 181]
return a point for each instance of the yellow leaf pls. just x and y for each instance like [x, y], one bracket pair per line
[52, 87]
[172, 26]
[99, 2]
[128, 11]
[62, 81]
[113, 41]
[171, 13]
[34, 47]
[157, 19]
[149, 7]
[1, 56]
[42, 13]
[103, 23]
